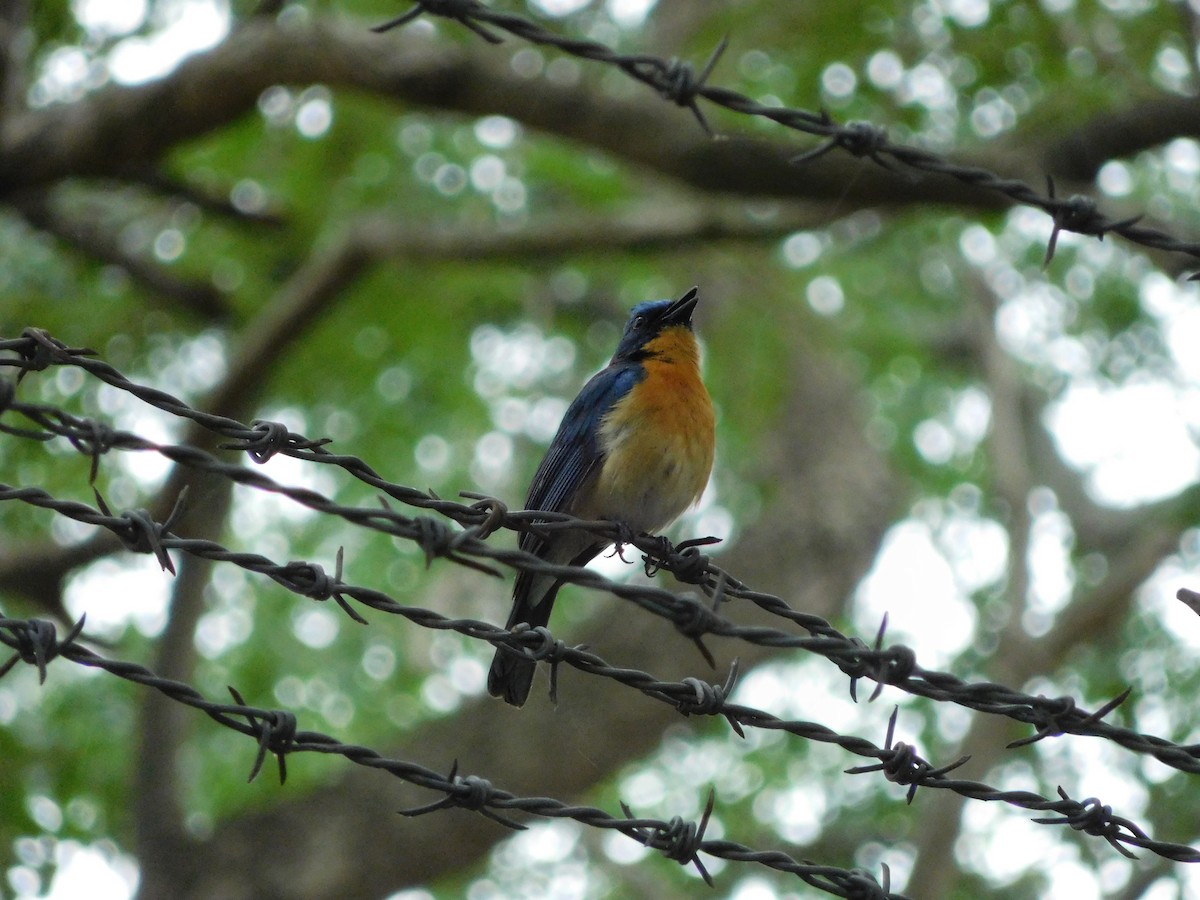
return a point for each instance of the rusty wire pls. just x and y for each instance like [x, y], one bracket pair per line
[677, 81]
[898, 761]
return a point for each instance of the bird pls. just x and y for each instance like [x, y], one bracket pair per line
[636, 447]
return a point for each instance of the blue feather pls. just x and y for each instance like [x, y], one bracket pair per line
[574, 453]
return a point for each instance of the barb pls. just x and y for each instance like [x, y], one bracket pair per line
[35, 642]
[680, 840]
[857, 138]
[140, 533]
[1080, 214]
[475, 795]
[901, 764]
[268, 439]
[681, 85]
[459, 10]
[1093, 817]
[276, 735]
[676, 82]
[1189, 598]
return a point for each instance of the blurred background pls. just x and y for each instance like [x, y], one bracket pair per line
[419, 245]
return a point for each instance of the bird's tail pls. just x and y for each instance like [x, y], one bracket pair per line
[511, 676]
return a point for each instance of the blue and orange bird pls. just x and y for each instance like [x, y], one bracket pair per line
[636, 446]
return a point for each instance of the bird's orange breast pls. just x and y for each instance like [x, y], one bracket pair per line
[658, 441]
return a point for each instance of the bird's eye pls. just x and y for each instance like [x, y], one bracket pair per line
[639, 321]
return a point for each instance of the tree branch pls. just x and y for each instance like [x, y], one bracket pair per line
[1022, 457]
[37, 570]
[118, 127]
[1014, 480]
[1120, 134]
[163, 846]
[15, 47]
[159, 181]
[197, 297]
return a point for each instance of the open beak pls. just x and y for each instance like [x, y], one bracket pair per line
[680, 312]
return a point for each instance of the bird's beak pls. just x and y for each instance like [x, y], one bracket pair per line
[680, 312]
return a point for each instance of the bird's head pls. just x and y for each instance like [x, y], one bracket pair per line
[656, 324]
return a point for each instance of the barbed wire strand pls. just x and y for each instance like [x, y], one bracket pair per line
[34, 642]
[677, 81]
[895, 665]
[899, 762]
[277, 733]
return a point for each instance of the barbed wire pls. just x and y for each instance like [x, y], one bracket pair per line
[35, 643]
[677, 81]
[894, 665]
[277, 732]
[138, 531]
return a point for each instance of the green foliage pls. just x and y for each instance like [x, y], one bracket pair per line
[392, 371]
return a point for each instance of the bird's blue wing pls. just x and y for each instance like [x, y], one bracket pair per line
[573, 460]
[575, 451]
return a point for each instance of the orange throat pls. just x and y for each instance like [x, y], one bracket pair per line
[659, 439]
